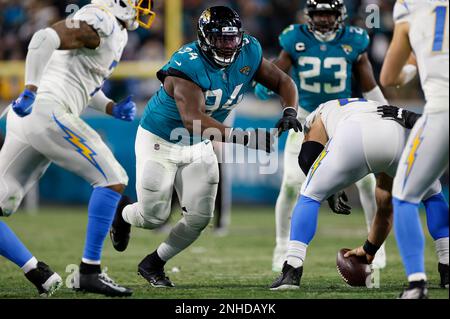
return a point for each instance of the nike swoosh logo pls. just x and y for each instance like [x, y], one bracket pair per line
[178, 63]
[100, 19]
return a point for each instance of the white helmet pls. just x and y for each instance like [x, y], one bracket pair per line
[133, 13]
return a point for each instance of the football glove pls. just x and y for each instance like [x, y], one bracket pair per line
[262, 92]
[289, 121]
[125, 110]
[23, 106]
[405, 118]
[259, 139]
[339, 203]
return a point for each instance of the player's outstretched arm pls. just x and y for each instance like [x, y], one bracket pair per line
[41, 48]
[382, 224]
[284, 63]
[393, 72]
[276, 80]
[191, 103]
[369, 86]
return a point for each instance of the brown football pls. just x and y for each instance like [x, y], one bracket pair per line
[354, 270]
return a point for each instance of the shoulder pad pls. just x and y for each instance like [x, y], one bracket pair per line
[101, 20]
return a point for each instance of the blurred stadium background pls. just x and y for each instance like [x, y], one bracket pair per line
[146, 52]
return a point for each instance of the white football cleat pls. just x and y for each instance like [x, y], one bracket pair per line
[380, 259]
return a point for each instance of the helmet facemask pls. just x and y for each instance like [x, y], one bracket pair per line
[145, 16]
[224, 45]
[132, 13]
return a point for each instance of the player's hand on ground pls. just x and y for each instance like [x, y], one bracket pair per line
[125, 110]
[24, 104]
[339, 203]
[360, 252]
[258, 139]
[262, 92]
[289, 121]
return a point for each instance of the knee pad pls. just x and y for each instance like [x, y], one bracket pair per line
[11, 200]
[197, 222]
[156, 195]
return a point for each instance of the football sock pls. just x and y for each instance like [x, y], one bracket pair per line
[442, 250]
[30, 265]
[182, 235]
[410, 238]
[283, 210]
[437, 216]
[304, 220]
[296, 253]
[366, 188]
[101, 210]
[12, 248]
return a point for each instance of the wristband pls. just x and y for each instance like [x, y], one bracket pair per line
[370, 248]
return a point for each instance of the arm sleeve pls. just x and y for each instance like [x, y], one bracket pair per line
[99, 102]
[40, 50]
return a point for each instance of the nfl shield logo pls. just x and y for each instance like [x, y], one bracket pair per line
[323, 47]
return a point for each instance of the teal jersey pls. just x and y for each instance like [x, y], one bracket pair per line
[223, 88]
[323, 70]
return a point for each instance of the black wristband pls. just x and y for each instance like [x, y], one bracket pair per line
[370, 248]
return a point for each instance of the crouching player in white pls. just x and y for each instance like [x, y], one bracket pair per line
[421, 28]
[202, 83]
[66, 66]
[358, 142]
[318, 54]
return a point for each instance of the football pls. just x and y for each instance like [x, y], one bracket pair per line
[354, 270]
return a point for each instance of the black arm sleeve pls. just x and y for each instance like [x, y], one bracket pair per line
[308, 155]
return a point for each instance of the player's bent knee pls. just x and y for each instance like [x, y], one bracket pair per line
[11, 202]
[197, 222]
[119, 188]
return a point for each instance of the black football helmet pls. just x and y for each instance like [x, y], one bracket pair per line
[220, 35]
[336, 7]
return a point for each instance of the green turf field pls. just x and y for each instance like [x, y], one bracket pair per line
[235, 266]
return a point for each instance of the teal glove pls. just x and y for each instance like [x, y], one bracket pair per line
[262, 92]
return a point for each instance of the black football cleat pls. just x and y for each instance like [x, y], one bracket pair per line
[443, 271]
[154, 274]
[289, 279]
[100, 283]
[416, 290]
[45, 279]
[120, 229]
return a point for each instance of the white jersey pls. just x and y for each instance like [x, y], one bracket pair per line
[335, 111]
[429, 38]
[73, 77]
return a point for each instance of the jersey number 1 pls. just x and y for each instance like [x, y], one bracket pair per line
[439, 29]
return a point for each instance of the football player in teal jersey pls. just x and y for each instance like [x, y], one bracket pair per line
[202, 83]
[321, 56]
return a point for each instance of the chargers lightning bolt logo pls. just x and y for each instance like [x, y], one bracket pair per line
[80, 145]
[412, 156]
